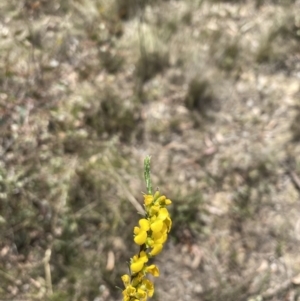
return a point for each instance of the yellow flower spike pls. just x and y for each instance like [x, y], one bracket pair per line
[150, 235]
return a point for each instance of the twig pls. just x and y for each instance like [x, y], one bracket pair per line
[48, 271]
[128, 194]
[295, 179]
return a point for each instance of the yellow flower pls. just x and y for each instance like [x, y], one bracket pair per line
[137, 279]
[136, 266]
[140, 294]
[163, 213]
[128, 292]
[140, 239]
[161, 199]
[158, 222]
[168, 202]
[141, 232]
[153, 269]
[147, 285]
[144, 224]
[138, 262]
[159, 237]
[156, 225]
[126, 280]
[164, 201]
[156, 249]
[148, 199]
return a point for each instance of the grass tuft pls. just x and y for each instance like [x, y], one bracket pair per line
[200, 96]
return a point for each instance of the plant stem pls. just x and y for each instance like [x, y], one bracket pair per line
[147, 174]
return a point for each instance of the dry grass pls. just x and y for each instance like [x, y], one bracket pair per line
[210, 89]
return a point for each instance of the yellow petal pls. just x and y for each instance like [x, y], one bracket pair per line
[136, 266]
[168, 202]
[153, 269]
[148, 199]
[128, 292]
[140, 293]
[161, 199]
[143, 256]
[153, 210]
[168, 223]
[156, 236]
[157, 225]
[159, 238]
[156, 249]
[149, 287]
[125, 295]
[126, 279]
[140, 239]
[144, 224]
[163, 213]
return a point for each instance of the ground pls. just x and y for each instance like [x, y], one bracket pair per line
[209, 89]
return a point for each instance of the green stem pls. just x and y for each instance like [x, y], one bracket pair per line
[147, 174]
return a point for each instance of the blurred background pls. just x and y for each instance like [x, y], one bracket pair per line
[210, 89]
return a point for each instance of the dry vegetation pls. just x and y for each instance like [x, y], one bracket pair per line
[210, 89]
